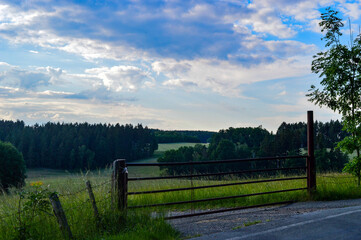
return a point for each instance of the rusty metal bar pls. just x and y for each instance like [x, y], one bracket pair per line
[228, 210]
[215, 199]
[311, 168]
[216, 174]
[213, 162]
[218, 185]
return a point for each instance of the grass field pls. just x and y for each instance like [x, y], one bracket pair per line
[154, 171]
[20, 218]
[138, 224]
[162, 147]
[354, 154]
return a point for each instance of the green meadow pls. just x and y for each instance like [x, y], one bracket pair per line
[20, 217]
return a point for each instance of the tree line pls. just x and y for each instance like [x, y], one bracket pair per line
[238, 143]
[83, 145]
[78, 145]
[177, 136]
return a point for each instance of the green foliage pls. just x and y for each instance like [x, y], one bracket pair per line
[340, 70]
[78, 145]
[12, 170]
[330, 161]
[178, 136]
[225, 150]
[174, 137]
[35, 204]
[184, 154]
[241, 143]
[27, 214]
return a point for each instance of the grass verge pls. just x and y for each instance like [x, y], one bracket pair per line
[138, 224]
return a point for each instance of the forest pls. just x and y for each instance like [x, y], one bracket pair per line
[78, 145]
[88, 146]
[249, 142]
[177, 136]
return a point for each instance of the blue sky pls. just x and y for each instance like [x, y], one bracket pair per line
[170, 64]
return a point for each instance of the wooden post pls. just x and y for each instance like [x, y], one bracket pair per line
[311, 165]
[121, 183]
[60, 216]
[92, 200]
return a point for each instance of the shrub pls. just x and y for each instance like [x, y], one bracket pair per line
[12, 166]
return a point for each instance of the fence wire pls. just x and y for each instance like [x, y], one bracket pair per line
[83, 189]
[87, 201]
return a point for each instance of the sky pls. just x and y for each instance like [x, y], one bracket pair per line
[167, 64]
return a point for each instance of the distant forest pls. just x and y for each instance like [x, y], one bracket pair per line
[79, 145]
[249, 142]
[176, 136]
[89, 146]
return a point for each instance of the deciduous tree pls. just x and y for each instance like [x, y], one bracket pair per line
[340, 70]
[12, 166]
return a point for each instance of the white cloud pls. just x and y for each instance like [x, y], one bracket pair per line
[274, 16]
[201, 11]
[13, 76]
[283, 93]
[54, 73]
[31, 27]
[353, 10]
[40, 110]
[122, 78]
[292, 113]
[180, 83]
[224, 77]
[265, 19]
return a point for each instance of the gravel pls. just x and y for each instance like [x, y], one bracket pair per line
[213, 223]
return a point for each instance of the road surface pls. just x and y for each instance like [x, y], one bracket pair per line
[334, 223]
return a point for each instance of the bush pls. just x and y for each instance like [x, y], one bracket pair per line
[12, 166]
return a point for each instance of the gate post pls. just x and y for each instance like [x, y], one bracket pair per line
[311, 165]
[121, 183]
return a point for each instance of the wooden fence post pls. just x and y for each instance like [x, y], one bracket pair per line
[120, 183]
[311, 165]
[92, 200]
[60, 216]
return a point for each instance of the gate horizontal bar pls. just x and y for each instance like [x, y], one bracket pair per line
[214, 162]
[228, 210]
[216, 174]
[215, 199]
[218, 185]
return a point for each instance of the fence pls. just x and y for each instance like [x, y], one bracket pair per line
[58, 210]
[121, 179]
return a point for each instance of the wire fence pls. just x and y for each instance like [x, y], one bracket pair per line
[19, 212]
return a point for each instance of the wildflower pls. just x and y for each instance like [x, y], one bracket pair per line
[36, 184]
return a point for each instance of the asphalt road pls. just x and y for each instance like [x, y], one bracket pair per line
[336, 223]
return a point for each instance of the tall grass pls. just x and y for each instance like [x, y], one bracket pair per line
[336, 186]
[18, 224]
[156, 198]
[138, 224]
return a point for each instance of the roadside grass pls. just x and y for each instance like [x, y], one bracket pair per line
[139, 223]
[19, 225]
[336, 186]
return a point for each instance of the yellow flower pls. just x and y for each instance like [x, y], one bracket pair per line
[36, 184]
